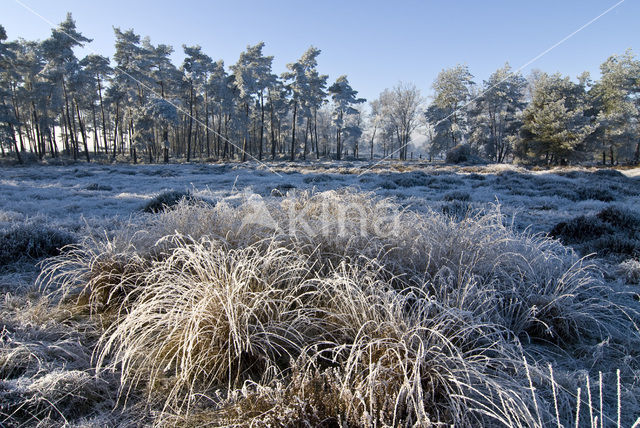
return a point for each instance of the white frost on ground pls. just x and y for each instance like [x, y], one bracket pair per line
[99, 195]
[91, 197]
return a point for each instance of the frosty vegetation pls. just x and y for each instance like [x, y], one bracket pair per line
[140, 107]
[415, 295]
[301, 285]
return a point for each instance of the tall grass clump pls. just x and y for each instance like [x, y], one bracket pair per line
[339, 309]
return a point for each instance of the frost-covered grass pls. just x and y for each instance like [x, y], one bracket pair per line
[413, 298]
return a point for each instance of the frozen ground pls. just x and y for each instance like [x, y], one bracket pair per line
[45, 352]
[98, 195]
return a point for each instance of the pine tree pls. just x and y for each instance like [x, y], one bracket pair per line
[196, 68]
[344, 98]
[98, 71]
[446, 114]
[554, 123]
[8, 120]
[62, 65]
[616, 106]
[495, 115]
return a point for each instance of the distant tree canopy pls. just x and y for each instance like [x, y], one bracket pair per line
[545, 119]
[140, 106]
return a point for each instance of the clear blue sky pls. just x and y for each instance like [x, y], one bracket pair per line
[375, 43]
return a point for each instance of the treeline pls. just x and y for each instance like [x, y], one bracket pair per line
[141, 105]
[543, 119]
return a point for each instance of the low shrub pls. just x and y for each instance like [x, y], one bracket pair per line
[166, 200]
[282, 189]
[457, 210]
[580, 229]
[594, 192]
[53, 397]
[630, 271]
[317, 178]
[459, 154]
[476, 176]
[98, 187]
[614, 231]
[620, 218]
[32, 241]
[610, 173]
[457, 195]
[411, 179]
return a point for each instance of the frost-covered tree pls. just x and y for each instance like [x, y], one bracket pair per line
[446, 115]
[554, 123]
[298, 86]
[8, 120]
[61, 66]
[306, 87]
[222, 99]
[130, 85]
[98, 71]
[495, 114]
[253, 78]
[400, 108]
[616, 103]
[352, 131]
[278, 106]
[196, 68]
[313, 97]
[344, 99]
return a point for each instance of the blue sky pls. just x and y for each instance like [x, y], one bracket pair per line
[375, 43]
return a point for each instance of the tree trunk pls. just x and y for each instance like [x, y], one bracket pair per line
[190, 121]
[65, 131]
[16, 112]
[15, 143]
[82, 132]
[52, 148]
[293, 134]
[273, 133]
[37, 132]
[261, 125]
[218, 137]
[373, 136]
[245, 139]
[611, 154]
[338, 140]
[96, 143]
[206, 121]
[104, 125]
[306, 139]
[115, 131]
[315, 132]
[71, 128]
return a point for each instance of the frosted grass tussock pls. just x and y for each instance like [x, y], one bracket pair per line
[215, 315]
[369, 313]
[210, 316]
[99, 272]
